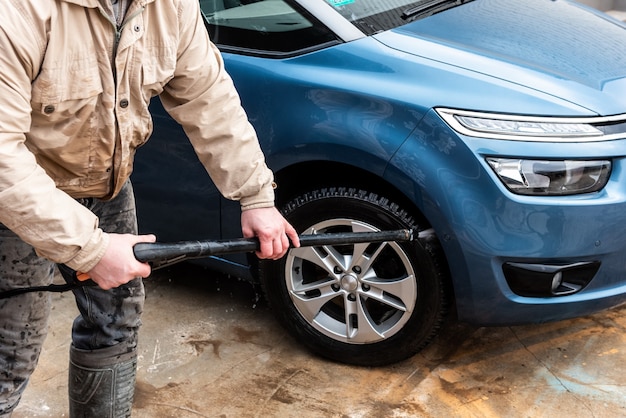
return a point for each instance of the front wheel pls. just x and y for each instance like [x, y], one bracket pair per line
[363, 304]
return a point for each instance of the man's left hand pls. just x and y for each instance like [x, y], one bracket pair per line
[272, 230]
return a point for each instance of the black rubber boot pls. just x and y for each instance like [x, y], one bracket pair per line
[102, 382]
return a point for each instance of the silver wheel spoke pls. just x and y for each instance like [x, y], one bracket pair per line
[365, 330]
[363, 260]
[311, 306]
[402, 290]
[328, 262]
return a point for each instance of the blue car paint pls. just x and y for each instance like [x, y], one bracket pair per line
[502, 43]
[304, 109]
[317, 107]
[174, 190]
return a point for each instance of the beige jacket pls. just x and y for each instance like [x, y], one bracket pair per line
[70, 120]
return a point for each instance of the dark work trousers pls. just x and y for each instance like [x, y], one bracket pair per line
[107, 317]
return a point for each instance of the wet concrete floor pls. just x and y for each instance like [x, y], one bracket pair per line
[210, 348]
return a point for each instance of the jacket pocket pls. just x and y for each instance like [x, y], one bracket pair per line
[61, 93]
[66, 122]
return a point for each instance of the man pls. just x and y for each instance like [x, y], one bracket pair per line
[76, 77]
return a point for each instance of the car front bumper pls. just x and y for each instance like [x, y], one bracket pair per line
[499, 244]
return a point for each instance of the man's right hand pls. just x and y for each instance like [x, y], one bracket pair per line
[119, 265]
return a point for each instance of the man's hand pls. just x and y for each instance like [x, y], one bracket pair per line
[119, 265]
[272, 230]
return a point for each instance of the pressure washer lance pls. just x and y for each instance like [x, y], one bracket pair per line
[165, 254]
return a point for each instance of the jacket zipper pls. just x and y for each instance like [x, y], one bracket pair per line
[116, 42]
[118, 30]
[118, 35]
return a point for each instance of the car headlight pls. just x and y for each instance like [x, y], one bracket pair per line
[536, 177]
[534, 128]
[527, 128]
[551, 178]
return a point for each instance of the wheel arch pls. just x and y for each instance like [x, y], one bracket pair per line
[315, 174]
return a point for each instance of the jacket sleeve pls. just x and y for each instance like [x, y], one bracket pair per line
[31, 205]
[203, 99]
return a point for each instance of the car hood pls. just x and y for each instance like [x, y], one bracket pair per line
[559, 48]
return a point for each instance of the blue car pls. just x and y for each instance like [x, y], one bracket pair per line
[494, 129]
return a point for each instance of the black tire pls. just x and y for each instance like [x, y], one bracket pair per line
[395, 291]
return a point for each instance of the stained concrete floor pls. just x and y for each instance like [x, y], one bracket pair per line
[210, 348]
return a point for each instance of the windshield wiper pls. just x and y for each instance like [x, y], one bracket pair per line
[428, 6]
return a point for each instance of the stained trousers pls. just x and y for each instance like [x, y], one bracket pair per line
[106, 317]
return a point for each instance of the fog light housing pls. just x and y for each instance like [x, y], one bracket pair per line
[557, 281]
[551, 177]
[548, 280]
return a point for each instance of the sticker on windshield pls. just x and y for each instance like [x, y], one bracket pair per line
[337, 3]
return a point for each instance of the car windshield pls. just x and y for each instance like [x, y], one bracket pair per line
[373, 16]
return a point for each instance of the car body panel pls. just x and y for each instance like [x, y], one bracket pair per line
[322, 101]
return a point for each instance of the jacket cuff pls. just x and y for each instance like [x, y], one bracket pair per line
[263, 199]
[91, 253]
